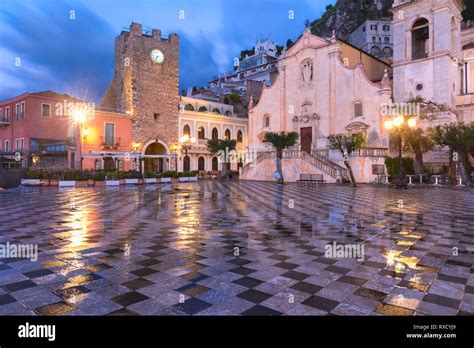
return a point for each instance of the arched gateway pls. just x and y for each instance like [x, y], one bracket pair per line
[156, 164]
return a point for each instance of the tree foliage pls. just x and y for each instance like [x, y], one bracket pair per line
[347, 144]
[280, 141]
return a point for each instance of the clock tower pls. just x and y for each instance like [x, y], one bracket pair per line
[145, 86]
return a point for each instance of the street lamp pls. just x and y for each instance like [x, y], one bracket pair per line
[186, 143]
[398, 123]
[174, 150]
[79, 118]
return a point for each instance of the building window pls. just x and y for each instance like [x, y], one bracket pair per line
[386, 39]
[7, 114]
[363, 29]
[373, 27]
[216, 110]
[109, 134]
[7, 145]
[227, 134]
[46, 110]
[17, 112]
[386, 27]
[156, 117]
[187, 130]
[266, 121]
[239, 136]
[189, 107]
[202, 109]
[22, 110]
[186, 164]
[19, 143]
[420, 34]
[97, 164]
[374, 39]
[215, 133]
[358, 110]
[201, 163]
[201, 133]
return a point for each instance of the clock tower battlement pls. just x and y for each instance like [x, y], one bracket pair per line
[145, 85]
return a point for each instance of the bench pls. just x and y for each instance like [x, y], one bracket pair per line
[311, 180]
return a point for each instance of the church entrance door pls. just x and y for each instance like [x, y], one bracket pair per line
[306, 139]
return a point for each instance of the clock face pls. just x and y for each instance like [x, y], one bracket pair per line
[157, 56]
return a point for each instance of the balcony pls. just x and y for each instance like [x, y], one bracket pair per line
[4, 121]
[109, 142]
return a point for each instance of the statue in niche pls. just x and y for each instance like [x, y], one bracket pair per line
[307, 71]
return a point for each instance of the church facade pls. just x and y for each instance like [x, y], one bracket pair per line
[326, 86]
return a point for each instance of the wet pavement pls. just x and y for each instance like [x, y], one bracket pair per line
[238, 248]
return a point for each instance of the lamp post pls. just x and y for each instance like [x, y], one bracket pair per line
[187, 143]
[79, 117]
[175, 149]
[398, 123]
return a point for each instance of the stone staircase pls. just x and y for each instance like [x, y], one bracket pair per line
[316, 160]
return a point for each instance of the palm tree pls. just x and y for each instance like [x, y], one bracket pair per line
[223, 148]
[347, 144]
[280, 141]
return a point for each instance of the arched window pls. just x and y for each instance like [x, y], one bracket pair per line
[201, 163]
[228, 113]
[186, 164]
[266, 121]
[375, 51]
[216, 110]
[215, 133]
[240, 136]
[189, 107]
[186, 130]
[358, 109]
[215, 165]
[387, 51]
[201, 133]
[420, 35]
[227, 134]
[202, 109]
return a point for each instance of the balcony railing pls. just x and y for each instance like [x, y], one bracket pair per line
[370, 152]
[110, 141]
[4, 121]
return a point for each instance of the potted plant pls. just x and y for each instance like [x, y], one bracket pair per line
[67, 179]
[54, 179]
[121, 177]
[32, 178]
[131, 177]
[166, 177]
[81, 179]
[149, 177]
[44, 176]
[99, 179]
[112, 179]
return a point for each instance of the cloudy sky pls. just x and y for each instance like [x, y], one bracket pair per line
[44, 45]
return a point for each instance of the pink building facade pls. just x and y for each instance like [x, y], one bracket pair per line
[42, 127]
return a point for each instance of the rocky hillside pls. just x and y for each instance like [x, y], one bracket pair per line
[347, 15]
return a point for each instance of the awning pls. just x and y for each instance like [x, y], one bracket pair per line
[138, 155]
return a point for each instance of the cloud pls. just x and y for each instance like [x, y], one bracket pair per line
[62, 47]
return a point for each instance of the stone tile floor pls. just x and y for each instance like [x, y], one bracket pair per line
[238, 248]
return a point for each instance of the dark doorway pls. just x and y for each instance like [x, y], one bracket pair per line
[109, 163]
[186, 164]
[215, 163]
[155, 164]
[201, 162]
[306, 139]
